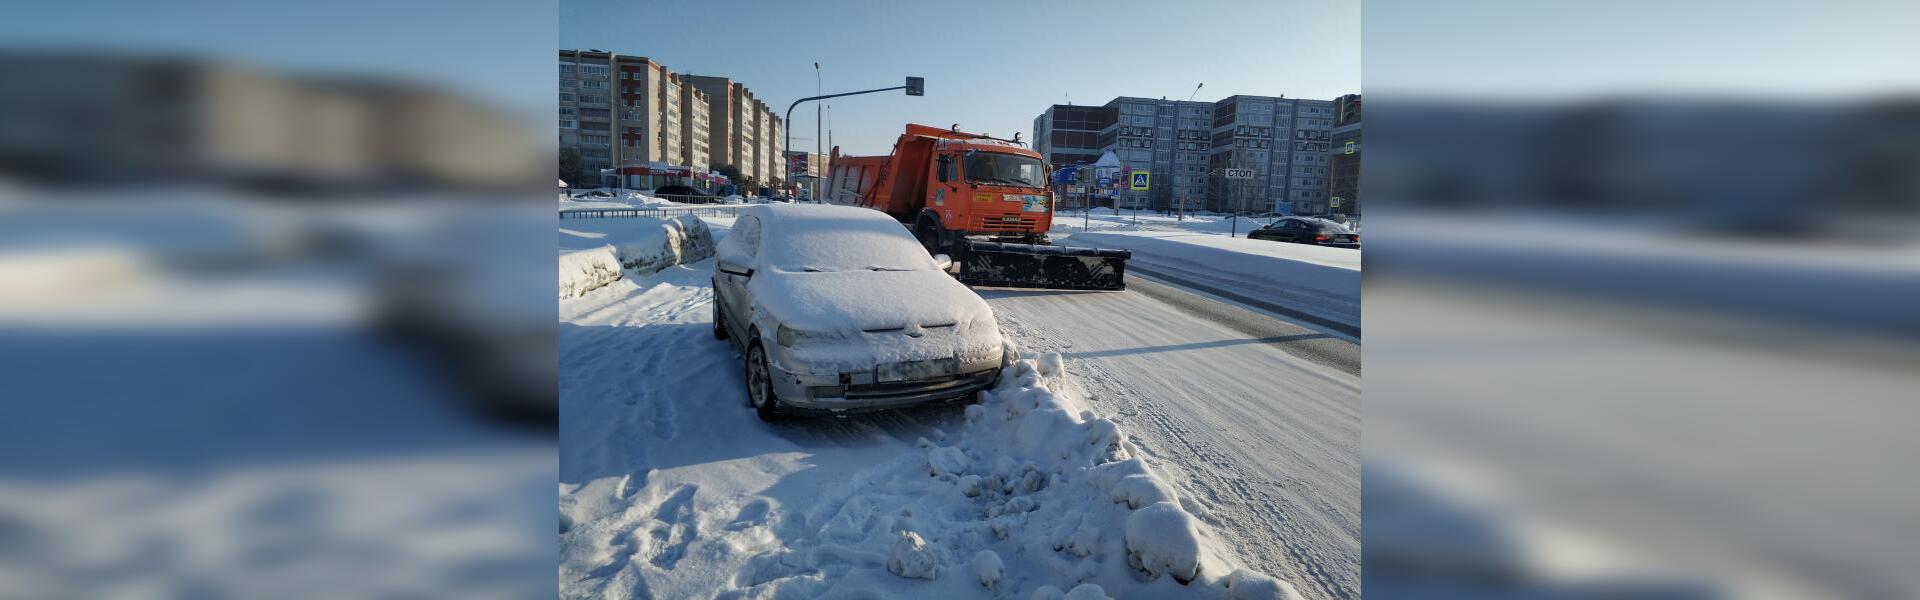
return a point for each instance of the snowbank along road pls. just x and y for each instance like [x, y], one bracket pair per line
[1155, 444]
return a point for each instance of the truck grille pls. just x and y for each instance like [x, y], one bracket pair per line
[1021, 223]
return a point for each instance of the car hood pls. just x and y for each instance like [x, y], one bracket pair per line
[853, 301]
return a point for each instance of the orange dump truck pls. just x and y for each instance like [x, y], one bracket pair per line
[983, 201]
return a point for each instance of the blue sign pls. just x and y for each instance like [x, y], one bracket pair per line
[1106, 182]
[1064, 175]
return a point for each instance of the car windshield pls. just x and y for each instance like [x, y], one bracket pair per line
[1008, 169]
[827, 245]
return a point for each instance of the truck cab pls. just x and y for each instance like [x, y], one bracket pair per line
[989, 187]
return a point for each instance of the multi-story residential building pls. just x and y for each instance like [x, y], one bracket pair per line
[614, 109]
[1344, 181]
[1286, 144]
[765, 163]
[722, 118]
[695, 127]
[776, 138]
[1167, 138]
[1187, 146]
[672, 149]
[1066, 134]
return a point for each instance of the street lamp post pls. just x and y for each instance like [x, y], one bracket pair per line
[816, 130]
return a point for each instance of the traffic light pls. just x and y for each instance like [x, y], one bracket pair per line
[916, 86]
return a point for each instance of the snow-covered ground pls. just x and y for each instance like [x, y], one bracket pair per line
[670, 486]
[1256, 421]
[1314, 282]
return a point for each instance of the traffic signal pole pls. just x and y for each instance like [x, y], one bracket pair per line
[916, 86]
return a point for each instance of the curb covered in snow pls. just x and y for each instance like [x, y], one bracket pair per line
[655, 244]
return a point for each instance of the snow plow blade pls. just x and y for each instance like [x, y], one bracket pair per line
[999, 264]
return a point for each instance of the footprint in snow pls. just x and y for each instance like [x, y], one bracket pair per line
[754, 514]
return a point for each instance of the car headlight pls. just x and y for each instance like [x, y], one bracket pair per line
[786, 336]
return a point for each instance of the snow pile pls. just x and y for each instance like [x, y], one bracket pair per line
[586, 270]
[987, 566]
[1032, 496]
[912, 558]
[594, 251]
[1161, 538]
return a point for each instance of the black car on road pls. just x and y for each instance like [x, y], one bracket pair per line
[1304, 230]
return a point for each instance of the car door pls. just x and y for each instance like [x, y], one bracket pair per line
[730, 289]
[1287, 230]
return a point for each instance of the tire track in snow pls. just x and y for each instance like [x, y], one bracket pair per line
[1284, 496]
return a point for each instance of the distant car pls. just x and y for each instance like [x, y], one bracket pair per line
[838, 310]
[683, 193]
[1305, 230]
[597, 194]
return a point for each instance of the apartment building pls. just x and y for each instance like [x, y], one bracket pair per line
[1067, 135]
[774, 149]
[634, 114]
[1189, 145]
[1344, 181]
[743, 131]
[614, 109]
[1287, 144]
[695, 127]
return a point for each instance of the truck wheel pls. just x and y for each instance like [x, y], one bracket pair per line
[927, 230]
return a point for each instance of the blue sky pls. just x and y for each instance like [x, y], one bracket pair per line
[990, 65]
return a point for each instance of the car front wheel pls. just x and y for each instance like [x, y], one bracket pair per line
[760, 385]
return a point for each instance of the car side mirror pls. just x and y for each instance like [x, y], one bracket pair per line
[945, 262]
[734, 265]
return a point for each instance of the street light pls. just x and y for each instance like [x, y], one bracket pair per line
[816, 129]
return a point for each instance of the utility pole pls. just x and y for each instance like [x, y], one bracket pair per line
[816, 130]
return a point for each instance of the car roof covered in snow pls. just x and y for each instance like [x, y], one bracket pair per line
[829, 238]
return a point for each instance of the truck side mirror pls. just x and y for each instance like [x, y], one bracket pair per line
[945, 170]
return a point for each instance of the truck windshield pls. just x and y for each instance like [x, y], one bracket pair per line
[1009, 169]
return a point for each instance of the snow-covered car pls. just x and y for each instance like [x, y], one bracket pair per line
[838, 309]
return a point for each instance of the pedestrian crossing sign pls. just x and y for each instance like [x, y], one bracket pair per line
[1139, 180]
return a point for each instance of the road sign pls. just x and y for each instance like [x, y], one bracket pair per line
[798, 165]
[1139, 181]
[1106, 181]
[1333, 202]
[1239, 173]
[916, 86]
